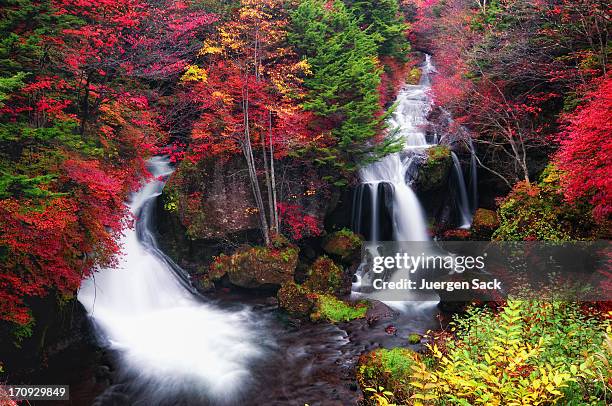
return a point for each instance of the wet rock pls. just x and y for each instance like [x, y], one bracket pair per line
[271, 301]
[379, 312]
[391, 329]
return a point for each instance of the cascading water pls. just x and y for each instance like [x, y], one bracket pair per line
[464, 204]
[167, 338]
[408, 219]
[407, 121]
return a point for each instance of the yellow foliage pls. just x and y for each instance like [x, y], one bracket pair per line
[303, 66]
[194, 74]
[224, 97]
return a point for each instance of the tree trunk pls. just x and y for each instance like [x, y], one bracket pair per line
[248, 153]
[274, 218]
[268, 182]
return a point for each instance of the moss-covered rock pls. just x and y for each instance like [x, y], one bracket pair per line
[296, 300]
[324, 276]
[329, 308]
[485, 222]
[255, 267]
[434, 172]
[390, 369]
[344, 244]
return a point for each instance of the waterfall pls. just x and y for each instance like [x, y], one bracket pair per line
[408, 218]
[407, 121]
[167, 338]
[397, 170]
[463, 203]
[473, 175]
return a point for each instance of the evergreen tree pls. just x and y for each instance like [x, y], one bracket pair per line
[343, 87]
[383, 20]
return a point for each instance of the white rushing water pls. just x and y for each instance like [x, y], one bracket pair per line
[407, 121]
[464, 205]
[408, 218]
[167, 337]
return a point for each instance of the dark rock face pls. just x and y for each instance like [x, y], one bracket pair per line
[212, 199]
[207, 209]
[434, 172]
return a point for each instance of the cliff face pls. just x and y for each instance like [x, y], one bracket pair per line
[211, 199]
[208, 208]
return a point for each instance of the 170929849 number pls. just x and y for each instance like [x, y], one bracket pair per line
[34, 392]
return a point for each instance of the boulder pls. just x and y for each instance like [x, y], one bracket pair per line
[344, 243]
[296, 300]
[256, 267]
[324, 276]
[434, 172]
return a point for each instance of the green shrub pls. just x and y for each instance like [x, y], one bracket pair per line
[539, 212]
[528, 353]
[387, 368]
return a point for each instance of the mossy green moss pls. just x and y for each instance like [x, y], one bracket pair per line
[436, 168]
[344, 243]
[324, 276]
[335, 310]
